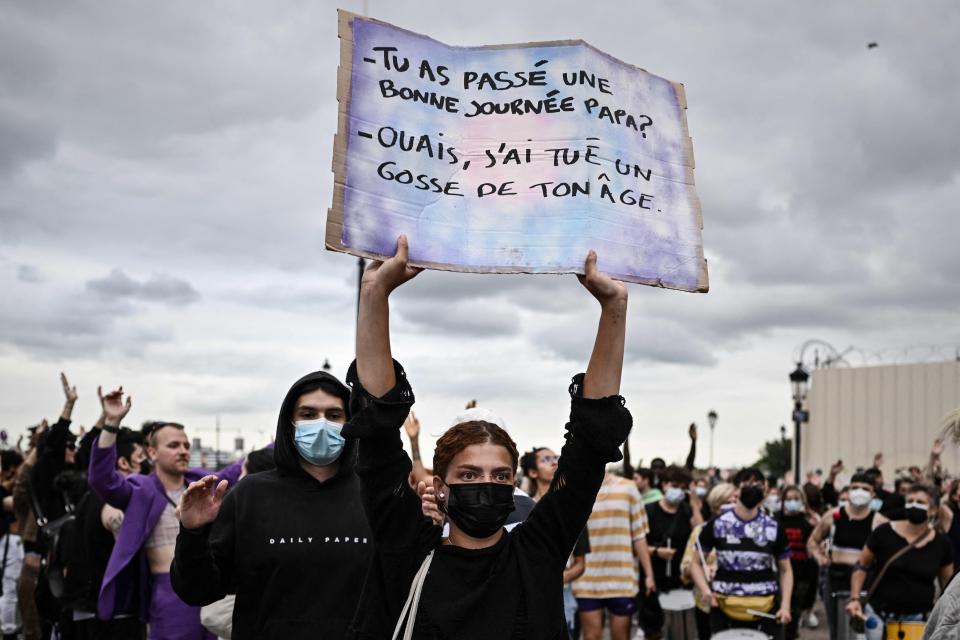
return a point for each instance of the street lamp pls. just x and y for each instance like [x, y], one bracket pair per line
[712, 421]
[798, 380]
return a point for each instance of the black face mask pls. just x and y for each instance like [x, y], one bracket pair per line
[751, 495]
[146, 467]
[917, 515]
[479, 509]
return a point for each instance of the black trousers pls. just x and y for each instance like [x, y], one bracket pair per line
[120, 629]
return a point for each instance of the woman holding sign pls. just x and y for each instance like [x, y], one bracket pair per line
[481, 581]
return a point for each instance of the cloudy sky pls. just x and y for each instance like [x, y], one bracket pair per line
[165, 176]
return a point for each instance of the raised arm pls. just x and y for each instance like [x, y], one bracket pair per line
[692, 455]
[374, 359]
[103, 476]
[599, 424]
[606, 361]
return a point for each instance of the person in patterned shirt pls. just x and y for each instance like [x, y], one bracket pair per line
[753, 560]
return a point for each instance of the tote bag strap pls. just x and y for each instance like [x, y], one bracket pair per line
[409, 611]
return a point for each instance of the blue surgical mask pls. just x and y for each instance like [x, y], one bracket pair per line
[793, 506]
[700, 491]
[674, 495]
[876, 504]
[318, 441]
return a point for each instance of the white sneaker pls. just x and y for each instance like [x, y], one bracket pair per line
[812, 621]
[638, 634]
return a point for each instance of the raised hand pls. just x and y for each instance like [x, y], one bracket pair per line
[428, 503]
[412, 426]
[114, 408]
[471, 405]
[878, 460]
[692, 431]
[836, 468]
[68, 391]
[200, 503]
[937, 449]
[387, 276]
[604, 288]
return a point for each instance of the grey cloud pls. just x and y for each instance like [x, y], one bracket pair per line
[650, 340]
[159, 288]
[29, 273]
[464, 317]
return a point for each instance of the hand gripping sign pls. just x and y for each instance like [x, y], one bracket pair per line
[512, 159]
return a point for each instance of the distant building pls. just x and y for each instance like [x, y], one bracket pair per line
[857, 412]
[203, 457]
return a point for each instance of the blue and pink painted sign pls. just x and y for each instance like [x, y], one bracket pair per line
[512, 159]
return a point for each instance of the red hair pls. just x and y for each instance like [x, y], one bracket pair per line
[459, 437]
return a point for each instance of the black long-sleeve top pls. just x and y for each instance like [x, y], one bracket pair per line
[51, 450]
[512, 589]
[295, 551]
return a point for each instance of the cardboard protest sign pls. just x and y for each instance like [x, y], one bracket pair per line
[512, 159]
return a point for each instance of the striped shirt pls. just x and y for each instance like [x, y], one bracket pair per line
[617, 521]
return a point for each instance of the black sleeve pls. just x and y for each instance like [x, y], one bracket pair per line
[781, 548]
[203, 562]
[692, 455]
[582, 547]
[596, 429]
[392, 506]
[50, 452]
[877, 543]
[947, 557]
[708, 541]
[403, 536]
[829, 494]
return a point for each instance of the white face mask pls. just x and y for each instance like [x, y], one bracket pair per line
[772, 503]
[859, 497]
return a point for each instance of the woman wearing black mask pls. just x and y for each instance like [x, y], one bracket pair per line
[481, 581]
[906, 590]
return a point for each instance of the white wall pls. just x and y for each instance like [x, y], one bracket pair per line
[896, 409]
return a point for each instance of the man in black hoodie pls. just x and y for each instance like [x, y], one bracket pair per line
[292, 543]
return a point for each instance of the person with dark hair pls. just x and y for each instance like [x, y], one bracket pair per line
[798, 524]
[89, 549]
[671, 521]
[843, 530]
[886, 502]
[292, 543]
[38, 501]
[540, 466]
[915, 556]
[259, 461]
[481, 581]
[644, 479]
[753, 563]
[147, 534]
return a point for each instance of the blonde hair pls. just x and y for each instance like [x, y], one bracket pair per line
[719, 496]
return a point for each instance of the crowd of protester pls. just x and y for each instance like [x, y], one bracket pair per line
[334, 531]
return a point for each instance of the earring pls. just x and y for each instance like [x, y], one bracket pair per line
[441, 495]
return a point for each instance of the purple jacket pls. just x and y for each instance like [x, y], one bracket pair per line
[142, 499]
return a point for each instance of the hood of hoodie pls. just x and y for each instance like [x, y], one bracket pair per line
[285, 451]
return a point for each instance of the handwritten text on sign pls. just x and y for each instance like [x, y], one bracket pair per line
[513, 158]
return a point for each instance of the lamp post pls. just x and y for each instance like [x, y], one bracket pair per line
[798, 380]
[712, 421]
